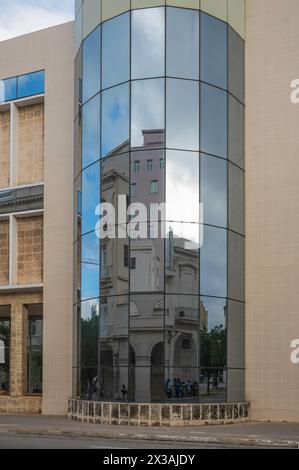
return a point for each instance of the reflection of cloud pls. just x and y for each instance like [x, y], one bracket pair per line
[147, 108]
[89, 308]
[214, 190]
[115, 104]
[148, 37]
[213, 261]
[91, 131]
[19, 17]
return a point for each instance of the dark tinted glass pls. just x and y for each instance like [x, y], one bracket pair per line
[213, 121]
[182, 43]
[31, 84]
[236, 267]
[213, 262]
[236, 335]
[35, 355]
[91, 131]
[213, 51]
[236, 178]
[213, 332]
[148, 111]
[182, 114]
[92, 64]
[236, 131]
[235, 385]
[213, 174]
[148, 43]
[115, 120]
[116, 50]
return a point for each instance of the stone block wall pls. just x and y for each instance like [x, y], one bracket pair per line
[157, 414]
[31, 144]
[4, 149]
[30, 250]
[4, 252]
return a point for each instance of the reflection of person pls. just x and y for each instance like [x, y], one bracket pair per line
[124, 392]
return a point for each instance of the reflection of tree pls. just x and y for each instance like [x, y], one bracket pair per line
[89, 349]
[213, 354]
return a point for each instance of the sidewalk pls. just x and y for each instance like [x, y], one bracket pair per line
[251, 434]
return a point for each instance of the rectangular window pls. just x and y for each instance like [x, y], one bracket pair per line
[133, 190]
[133, 263]
[154, 187]
[31, 84]
[136, 167]
[4, 355]
[35, 354]
[150, 166]
[126, 256]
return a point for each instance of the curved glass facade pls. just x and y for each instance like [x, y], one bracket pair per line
[159, 118]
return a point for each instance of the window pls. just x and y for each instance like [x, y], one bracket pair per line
[4, 355]
[150, 166]
[213, 173]
[31, 84]
[90, 197]
[133, 190]
[136, 166]
[8, 89]
[35, 354]
[92, 64]
[126, 256]
[213, 121]
[91, 131]
[154, 187]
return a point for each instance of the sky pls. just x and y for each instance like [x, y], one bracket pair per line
[19, 17]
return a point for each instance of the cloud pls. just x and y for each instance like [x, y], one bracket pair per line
[19, 17]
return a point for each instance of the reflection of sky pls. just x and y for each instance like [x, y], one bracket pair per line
[91, 131]
[31, 84]
[214, 190]
[213, 262]
[88, 308]
[147, 108]
[8, 89]
[116, 50]
[182, 114]
[115, 107]
[91, 64]
[148, 42]
[215, 308]
[213, 121]
[182, 186]
[90, 197]
[90, 269]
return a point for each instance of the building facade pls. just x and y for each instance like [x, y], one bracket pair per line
[168, 316]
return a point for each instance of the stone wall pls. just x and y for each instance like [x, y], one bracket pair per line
[30, 250]
[4, 252]
[4, 148]
[31, 144]
[157, 414]
[20, 405]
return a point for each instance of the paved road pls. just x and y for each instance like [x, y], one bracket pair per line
[31, 442]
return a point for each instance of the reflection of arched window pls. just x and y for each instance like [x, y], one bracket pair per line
[2, 352]
[133, 309]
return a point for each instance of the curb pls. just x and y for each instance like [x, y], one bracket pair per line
[231, 441]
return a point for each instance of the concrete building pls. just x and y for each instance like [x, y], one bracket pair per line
[174, 101]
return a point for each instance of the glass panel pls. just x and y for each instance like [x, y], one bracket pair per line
[213, 332]
[213, 121]
[148, 113]
[31, 84]
[115, 120]
[236, 178]
[213, 174]
[236, 335]
[90, 197]
[236, 267]
[78, 82]
[235, 385]
[89, 384]
[147, 263]
[91, 131]
[78, 144]
[236, 65]
[4, 355]
[148, 43]
[182, 186]
[90, 266]
[116, 50]
[35, 355]
[213, 51]
[182, 114]
[115, 180]
[8, 89]
[92, 64]
[213, 262]
[142, 179]
[213, 386]
[236, 131]
[182, 43]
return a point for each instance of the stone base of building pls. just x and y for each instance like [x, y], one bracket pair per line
[134, 414]
[20, 405]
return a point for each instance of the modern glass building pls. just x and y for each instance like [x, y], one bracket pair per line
[159, 118]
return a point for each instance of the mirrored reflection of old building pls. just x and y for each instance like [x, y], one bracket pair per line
[159, 122]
